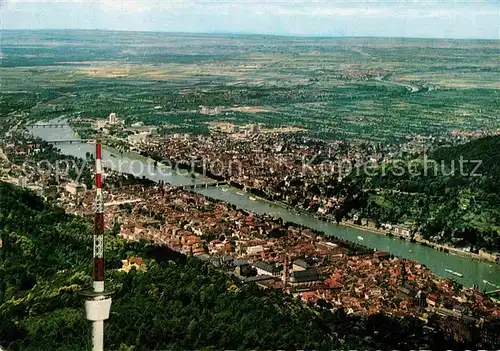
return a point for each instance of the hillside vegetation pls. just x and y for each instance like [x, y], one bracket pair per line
[440, 200]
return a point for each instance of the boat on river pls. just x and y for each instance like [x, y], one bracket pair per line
[252, 198]
[454, 273]
[494, 285]
[360, 238]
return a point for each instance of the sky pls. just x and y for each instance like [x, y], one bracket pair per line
[336, 18]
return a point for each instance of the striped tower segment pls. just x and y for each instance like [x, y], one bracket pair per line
[98, 268]
[97, 300]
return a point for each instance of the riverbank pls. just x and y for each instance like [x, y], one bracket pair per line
[441, 247]
[482, 256]
[364, 228]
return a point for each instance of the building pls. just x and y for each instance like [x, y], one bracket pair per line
[264, 268]
[136, 262]
[252, 250]
[104, 124]
[210, 111]
[50, 191]
[333, 248]
[461, 330]
[402, 231]
[262, 281]
[112, 119]
[417, 296]
[299, 265]
[243, 268]
[490, 334]
[254, 128]
[138, 138]
[101, 124]
[75, 188]
[307, 277]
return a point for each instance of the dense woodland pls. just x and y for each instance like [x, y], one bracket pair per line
[450, 205]
[178, 303]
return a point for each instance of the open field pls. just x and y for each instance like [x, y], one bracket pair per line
[356, 88]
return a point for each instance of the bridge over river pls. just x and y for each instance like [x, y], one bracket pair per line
[49, 125]
[71, 141]
[203, 185]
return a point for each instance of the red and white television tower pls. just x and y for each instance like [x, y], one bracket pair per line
[97, 300]
[98, 268]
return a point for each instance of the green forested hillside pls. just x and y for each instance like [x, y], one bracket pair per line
[451, 196]
[486, 149]
[175, 304]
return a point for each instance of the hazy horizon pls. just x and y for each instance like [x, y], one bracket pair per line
[238, 34]
[437, 19]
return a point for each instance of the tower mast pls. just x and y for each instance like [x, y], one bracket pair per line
[98, 268]
[97, 300]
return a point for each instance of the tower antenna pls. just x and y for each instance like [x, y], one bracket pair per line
[97, 300]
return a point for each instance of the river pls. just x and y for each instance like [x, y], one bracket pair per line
[474, 271]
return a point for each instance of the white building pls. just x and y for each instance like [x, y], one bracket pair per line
[266, 269]
[101, 123]
[210, 111]
[112, 118]
[255, 249]
[402, 231]
[75, 188]
[137, 124]
[138, 138]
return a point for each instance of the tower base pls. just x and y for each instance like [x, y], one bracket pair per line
[97, 308]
